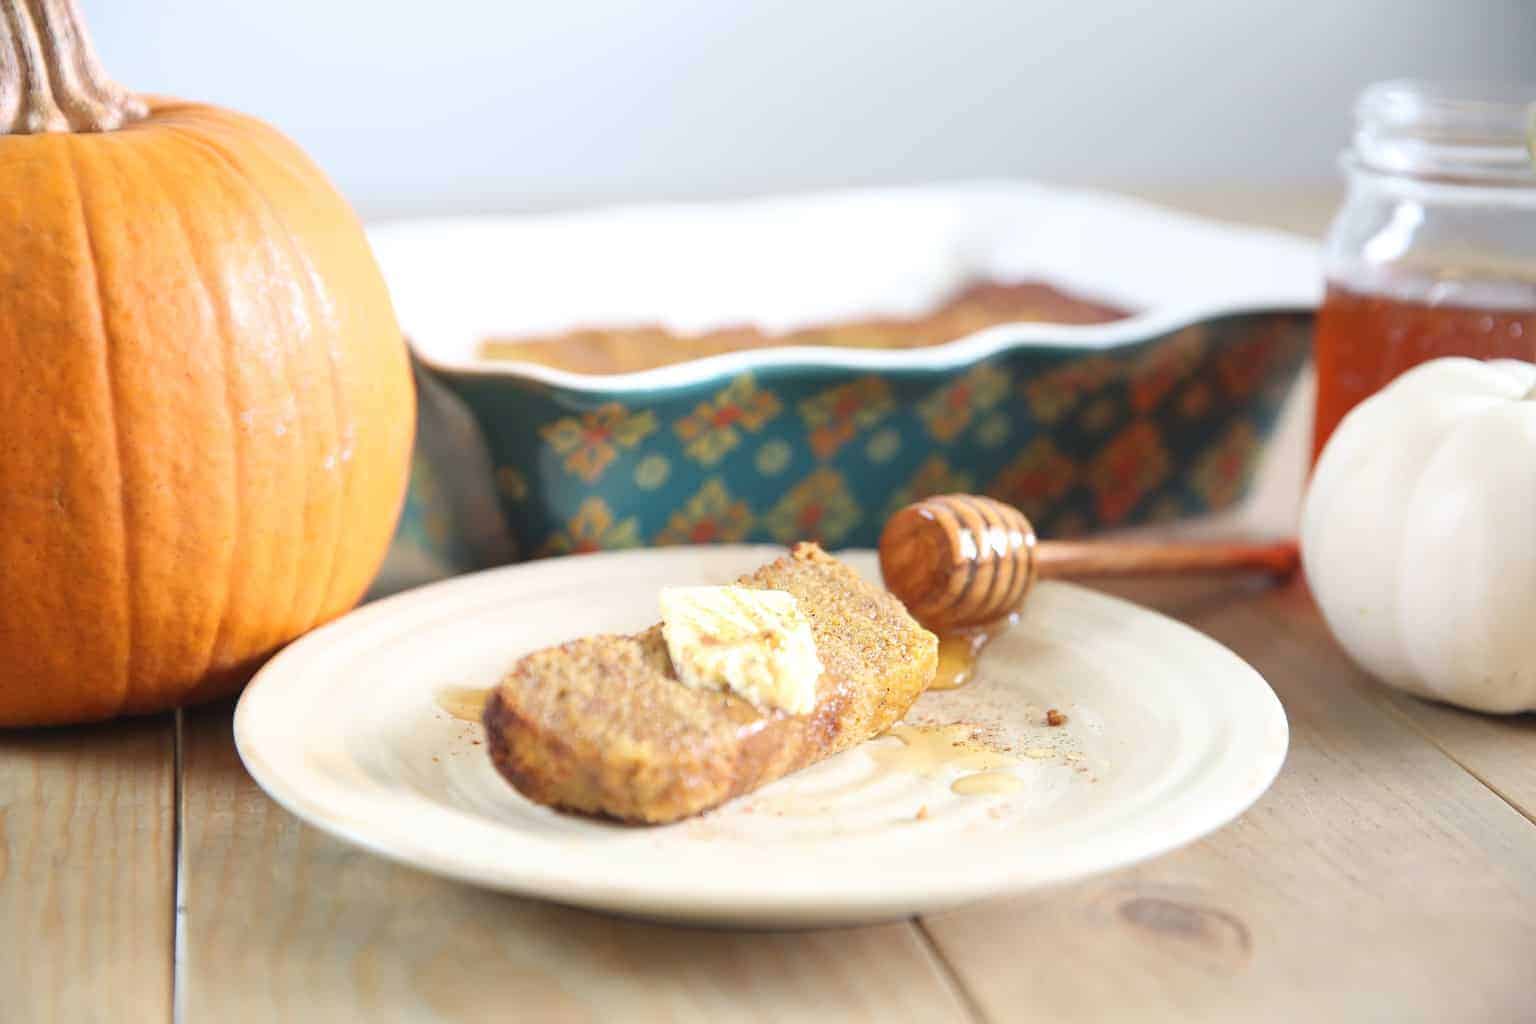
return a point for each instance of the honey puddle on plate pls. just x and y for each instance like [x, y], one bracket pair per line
[930, 749]
[921, 750]
[465, 703]
[958, 651]
[985, 784]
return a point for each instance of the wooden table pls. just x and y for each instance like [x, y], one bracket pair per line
[1390, 874]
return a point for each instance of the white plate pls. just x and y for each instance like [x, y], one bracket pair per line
[1169, 736]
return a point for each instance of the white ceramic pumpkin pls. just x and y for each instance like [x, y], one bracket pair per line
[1419, 533]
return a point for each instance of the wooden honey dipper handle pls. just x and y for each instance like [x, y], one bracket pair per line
[959, 560]
[1083, 558]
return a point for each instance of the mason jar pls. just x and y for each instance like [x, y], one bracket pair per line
[1433, 252]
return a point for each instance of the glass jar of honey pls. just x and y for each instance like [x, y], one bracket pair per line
[1433, 252]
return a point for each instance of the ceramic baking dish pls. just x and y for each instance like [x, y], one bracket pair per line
[1161, 415]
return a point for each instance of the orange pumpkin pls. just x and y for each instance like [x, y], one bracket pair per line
[206, 402]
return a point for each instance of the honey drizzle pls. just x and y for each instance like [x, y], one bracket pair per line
[959, 649]
[466, 703]
[930, 749]
[985, 784]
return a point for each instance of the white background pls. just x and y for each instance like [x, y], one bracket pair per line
[473, 104]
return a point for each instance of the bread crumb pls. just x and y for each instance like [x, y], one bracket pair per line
[1054, 717]
[922, 813]
[1039, 753]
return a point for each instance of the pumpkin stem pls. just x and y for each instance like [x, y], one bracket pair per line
[50, 77]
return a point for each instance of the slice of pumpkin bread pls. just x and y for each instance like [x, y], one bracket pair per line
[602, 725]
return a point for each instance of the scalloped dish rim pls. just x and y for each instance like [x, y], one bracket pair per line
[1290, 293]
[951, 355]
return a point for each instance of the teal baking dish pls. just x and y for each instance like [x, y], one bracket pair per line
[1159, 416]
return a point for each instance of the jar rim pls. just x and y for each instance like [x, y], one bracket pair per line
[1471, 131]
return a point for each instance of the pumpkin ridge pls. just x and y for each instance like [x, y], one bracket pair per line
[285, 158]
[346, 427]
[126, 680]
[221, 625]
[238, 646]
[302, 426]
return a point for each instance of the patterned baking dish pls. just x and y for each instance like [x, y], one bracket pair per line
[1161, 415]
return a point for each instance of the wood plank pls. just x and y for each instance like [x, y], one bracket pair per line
[87, 885]
[1377, 880]
[284, 923]
[1499, 750]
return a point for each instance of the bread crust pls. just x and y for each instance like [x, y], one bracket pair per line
[601, 725]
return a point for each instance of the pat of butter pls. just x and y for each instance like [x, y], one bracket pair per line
[754, 643]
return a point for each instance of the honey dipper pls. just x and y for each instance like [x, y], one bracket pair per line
[962, 560]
